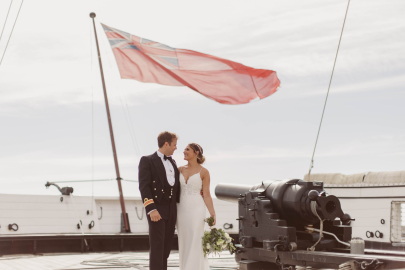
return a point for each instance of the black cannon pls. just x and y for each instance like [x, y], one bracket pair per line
[292, 224]
[290, 214]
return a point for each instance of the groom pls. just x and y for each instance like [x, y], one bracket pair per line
[160, 190]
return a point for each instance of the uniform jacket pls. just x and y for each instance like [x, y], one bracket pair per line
[152, 179]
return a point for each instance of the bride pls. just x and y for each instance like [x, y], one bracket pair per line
[191, 209]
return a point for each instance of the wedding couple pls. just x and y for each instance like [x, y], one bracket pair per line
[172, 198]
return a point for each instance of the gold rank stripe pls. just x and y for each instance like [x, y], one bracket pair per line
[147, 202]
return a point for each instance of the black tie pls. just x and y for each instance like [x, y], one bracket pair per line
[167, 158]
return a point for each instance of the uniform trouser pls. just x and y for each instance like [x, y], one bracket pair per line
[161, 234]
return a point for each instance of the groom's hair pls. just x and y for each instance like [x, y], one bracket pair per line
[166, 136]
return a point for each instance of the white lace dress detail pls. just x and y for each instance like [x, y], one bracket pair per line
[191, 212]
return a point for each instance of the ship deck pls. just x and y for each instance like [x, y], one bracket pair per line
[111, 261]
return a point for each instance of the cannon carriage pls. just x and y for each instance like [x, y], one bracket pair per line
[288, 224]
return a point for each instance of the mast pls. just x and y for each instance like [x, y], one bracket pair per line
[117, 170]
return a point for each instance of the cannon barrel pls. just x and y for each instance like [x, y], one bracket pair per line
[294, 200]
[231, 192]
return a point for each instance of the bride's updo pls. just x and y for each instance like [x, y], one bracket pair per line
[197, 147]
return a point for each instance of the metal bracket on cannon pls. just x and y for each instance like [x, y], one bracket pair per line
[283, 243]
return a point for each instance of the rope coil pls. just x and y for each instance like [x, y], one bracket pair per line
[136, 210]
[313, 210]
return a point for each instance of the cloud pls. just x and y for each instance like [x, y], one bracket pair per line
[51, 93]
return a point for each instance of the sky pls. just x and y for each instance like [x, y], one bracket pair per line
[52, 113]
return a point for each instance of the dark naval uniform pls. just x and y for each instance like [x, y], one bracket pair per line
[159, 194]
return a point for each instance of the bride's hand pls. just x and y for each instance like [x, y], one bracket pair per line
[215, 220]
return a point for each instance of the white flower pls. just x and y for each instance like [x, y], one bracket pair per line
[208, 246]
[226, 235]
[220, 242]
[228, 240]
[224, 246]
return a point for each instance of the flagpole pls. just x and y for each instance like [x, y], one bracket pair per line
[117, 170]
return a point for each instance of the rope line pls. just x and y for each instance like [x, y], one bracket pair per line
[128, 125]
[5, 22]
[327, 94]
[127, 115]
[97, 180]
[132, 126]
[313, 210]
[11, 32]
[80, 221]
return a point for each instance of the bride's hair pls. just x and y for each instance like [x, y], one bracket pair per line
[197, 147]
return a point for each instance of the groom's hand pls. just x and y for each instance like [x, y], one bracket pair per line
[155, 216]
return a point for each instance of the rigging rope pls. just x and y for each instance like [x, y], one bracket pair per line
[327, 94]
[5, 22]
[11, 31]
[127, 115]
[132, 126]
[97, 180]
[80, 224]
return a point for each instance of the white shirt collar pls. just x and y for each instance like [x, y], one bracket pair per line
[160, 154]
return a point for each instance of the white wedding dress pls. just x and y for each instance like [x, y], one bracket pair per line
[191, 212]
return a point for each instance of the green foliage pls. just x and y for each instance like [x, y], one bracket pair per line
[216, 240]
[210, 221]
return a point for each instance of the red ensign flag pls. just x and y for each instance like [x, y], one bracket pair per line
[219, 79]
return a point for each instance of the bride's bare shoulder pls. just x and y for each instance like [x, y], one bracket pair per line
[204, 171]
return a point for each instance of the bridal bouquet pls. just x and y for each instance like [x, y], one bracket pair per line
[216, 240]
